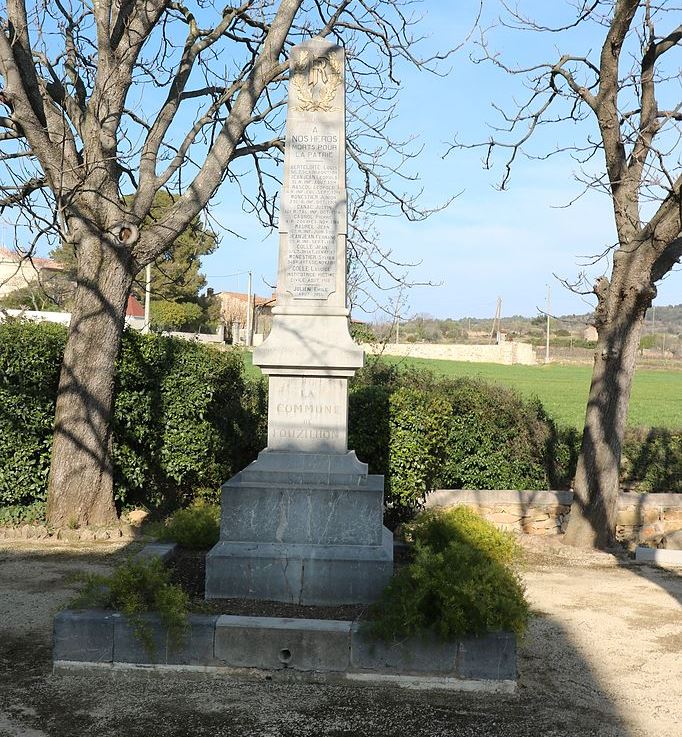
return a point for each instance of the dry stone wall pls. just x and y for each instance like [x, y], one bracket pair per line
[508, 353]
[642, 518]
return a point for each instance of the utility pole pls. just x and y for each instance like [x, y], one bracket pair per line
[495, 332]
[249, 314]
[548, 310]
[147, 297]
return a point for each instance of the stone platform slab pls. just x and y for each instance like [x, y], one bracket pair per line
[300, 573]
[305, 648]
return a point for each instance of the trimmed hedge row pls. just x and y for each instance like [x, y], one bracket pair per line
[424, 432]
[185, 418]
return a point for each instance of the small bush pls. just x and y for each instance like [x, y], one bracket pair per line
[462, 581]
[424, 432]
[652, 460]
[135, 588]
[438, 528]
[197, 527]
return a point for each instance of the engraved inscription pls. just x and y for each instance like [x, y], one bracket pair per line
[312, 211]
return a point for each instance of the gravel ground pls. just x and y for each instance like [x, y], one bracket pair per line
[602, 658]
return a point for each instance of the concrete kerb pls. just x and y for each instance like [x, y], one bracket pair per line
[273, 647]
[302, 649]
[658, 556]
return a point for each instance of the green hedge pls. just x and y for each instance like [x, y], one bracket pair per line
[30, 359]
[185, 418]
[423, 432]
[652, 459]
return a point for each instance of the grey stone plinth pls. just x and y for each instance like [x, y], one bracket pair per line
[286, 467]
[196, 648]
[163, 551]
[259, 512]
[301, 574]
[429, 656]
[273, 643]
[86, 635]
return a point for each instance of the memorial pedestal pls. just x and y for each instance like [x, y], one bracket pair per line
[304, 528]
[303, 523]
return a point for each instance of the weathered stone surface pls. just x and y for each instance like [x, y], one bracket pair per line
[491, 656]
[83, 636]
[274, 643]
[423, 655]
[164, 551]
[196, 649]
[636, 516]
[505, 518]
[303, 514]
[303, 574]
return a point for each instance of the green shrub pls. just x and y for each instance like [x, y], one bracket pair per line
[197, 527]
[462, 581]
[30, 359]
[424, 432]
[652, 460]
[438, 528]
[136, 588]
[185, 418]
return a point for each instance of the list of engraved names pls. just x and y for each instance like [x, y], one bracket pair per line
[311, 211]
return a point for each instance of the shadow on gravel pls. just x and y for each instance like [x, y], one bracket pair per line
[559, 694]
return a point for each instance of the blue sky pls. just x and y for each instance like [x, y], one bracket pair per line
[487, 244]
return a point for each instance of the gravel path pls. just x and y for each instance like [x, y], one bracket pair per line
[602, 658]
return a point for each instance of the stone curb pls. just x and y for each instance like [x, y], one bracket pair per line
[304, 647]
[658, 556]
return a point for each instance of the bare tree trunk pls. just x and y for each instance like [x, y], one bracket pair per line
[597, 483]
[81, 477]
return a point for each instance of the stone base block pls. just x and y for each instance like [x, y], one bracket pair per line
[289, 467]
[273, 643]
[300, 573]
[318, 515]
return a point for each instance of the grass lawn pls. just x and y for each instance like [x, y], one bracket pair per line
[656, 394]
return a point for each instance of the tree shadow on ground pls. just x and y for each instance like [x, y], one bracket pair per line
[559, 694]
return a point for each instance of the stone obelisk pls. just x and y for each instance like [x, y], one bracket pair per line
[303, 523]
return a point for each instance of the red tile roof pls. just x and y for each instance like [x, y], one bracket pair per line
[134, 308]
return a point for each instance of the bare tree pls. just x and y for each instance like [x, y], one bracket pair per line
[110, 102]
[630, 87]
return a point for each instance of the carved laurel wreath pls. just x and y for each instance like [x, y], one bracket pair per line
[307, 102]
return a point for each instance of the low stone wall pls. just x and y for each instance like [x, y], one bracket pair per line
[641, 517]
[68, 535]
[508, 352]
[268, 646]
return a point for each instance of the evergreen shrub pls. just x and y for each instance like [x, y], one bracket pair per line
[185, 418]
[463, 580]
[424, 432]
[136, 588]
[196, 527]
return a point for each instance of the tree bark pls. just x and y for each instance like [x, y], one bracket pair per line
[597, 482]
[81, 477]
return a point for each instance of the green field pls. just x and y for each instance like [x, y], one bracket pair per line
[562, 389]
